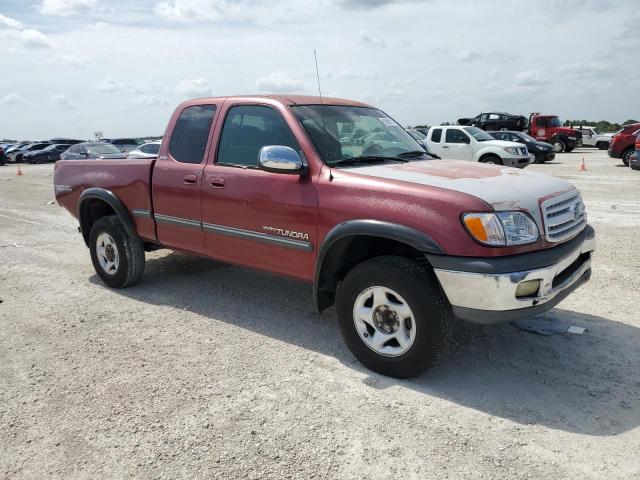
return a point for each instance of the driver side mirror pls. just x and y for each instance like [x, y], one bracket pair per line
[280, 159]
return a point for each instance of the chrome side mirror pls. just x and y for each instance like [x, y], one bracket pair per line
[280, 159]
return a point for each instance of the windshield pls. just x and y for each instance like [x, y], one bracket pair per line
[416, 134]
[102, 149]
[526, 137]
[554, 122]
[479, 135]
[343, 132]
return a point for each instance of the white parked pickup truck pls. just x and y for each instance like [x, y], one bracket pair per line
[591, 137]
[470, 143]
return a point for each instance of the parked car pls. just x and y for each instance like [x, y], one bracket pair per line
[146, 150]
[67, 141]
[16, 155]
[14, 147]
[400, 243]
[496, 121]
[421, 138]
[472, 144]
[50, 153]
[542, 151]
[125, 145]
[549, 129]
[623, 144]
[634, 159]
[591, 137]
[92, 150]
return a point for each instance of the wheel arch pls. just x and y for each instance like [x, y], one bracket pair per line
[488, 153]
[95, 203]
[354, 241]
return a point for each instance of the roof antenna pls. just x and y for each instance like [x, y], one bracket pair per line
[315, 55]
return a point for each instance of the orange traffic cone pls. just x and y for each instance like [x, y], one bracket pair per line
[583, 166]
[19, 171]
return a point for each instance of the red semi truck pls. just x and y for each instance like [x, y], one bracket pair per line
[401, 244]
[549, 128]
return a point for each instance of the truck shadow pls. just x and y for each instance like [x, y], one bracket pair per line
[587, 384]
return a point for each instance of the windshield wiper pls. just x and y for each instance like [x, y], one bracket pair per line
[412, 153]
[368, 158]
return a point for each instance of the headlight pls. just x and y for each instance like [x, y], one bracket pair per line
[511, 150]
[571, 138]
[501, 228]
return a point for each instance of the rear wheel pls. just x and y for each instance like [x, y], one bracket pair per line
[625, 156]
[393, 316]
[602, 145]
[569, 149]
[117, 258]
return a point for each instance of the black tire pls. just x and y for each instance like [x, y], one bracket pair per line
[130, 250]
[569, 149]
[558, 145]
[625, 156]
[434, 320]
[602, 145]
[492, 159]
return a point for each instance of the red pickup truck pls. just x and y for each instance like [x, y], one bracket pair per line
[337, 194]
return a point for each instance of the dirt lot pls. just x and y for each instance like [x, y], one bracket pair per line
[208, 371]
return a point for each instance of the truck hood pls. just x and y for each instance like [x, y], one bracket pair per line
[501, 144]
[503, 188]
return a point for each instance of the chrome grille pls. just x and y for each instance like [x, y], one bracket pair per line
[564, 216]
[523, 151]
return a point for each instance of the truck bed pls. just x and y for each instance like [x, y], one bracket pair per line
[128, 179]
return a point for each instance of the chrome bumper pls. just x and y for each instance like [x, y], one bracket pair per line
[491, 297]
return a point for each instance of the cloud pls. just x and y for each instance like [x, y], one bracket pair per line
[531, 78]
[34, 39]
[588, 69]
[192, 88]
[28, 37]
[70, 60]
[468, 55]
[367, 39]
[280, 82]
[9, 22]
[66, 8]
[153, 100]
[349, 74]
[111, 85]
[62, 100]
[368, 4]
[12, 99]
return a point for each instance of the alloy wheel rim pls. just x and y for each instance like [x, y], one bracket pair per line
[107, 252]
[384, 321]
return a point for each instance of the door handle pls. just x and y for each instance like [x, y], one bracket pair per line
[445, 146]
[190, 179]
[216, 182]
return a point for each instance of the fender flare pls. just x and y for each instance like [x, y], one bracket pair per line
[110, 199]
[373, 228]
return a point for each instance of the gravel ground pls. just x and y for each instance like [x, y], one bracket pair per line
[205, 370]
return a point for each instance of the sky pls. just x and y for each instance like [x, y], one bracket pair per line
[73, 67]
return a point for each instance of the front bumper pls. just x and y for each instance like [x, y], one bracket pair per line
[613, 154]
[516, 162]
[483, 290]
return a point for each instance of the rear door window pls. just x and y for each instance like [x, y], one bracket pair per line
[191, 133]
[436, 135]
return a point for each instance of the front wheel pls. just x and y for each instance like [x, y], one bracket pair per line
[558, 146]
[569, 149]
[117, 257]
[492, 160]
[394, 316]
